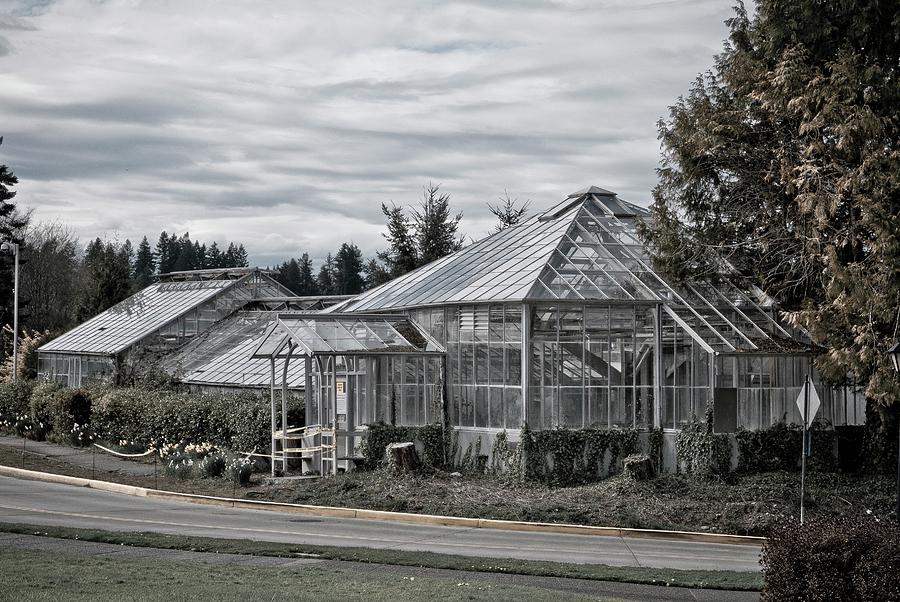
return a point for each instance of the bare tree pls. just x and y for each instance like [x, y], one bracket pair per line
[508, 212]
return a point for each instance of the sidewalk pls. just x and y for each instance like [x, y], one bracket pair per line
[85, 457]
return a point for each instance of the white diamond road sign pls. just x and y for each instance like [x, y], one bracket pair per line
[814, 402]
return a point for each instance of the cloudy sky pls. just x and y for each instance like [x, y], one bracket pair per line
[285, 125]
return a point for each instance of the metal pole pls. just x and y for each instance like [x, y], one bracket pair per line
[155, 477]
[805, 418]
[24, 439]
[272, 400]
[898, 464]
[93, 462]
[16, 314]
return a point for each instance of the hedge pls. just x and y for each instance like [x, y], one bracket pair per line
[568, 457]
[854, 558]
[778, 448]
[379, 435]
[143, 417]
[239, 422]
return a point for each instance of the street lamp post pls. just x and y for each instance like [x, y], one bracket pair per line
[12, 247]
[894, 353]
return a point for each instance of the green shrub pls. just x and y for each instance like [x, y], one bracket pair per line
[41, 408]
[379, 435]
[14, 398]
[850, 447]
[848, 559]
[778, 448]
[568, 457]
[155, 418]
[70, 415]
[701, 452]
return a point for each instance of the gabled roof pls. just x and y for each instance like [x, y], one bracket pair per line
[220, 356]
[145, 312]
[585, 248]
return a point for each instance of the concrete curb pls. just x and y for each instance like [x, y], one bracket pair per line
[402, 517]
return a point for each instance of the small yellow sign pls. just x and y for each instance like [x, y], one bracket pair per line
[340, 386]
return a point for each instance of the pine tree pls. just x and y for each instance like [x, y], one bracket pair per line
[306, 282]
[435, 228]
[240, 257]
[105, 278]
[401, 255]
[164, 253]
[214, 256]
[187, 259]
[12, 227]
[508, 212]
[348, 267]
[200, 262]
[325, 279]
[144, 265]
[289, 275]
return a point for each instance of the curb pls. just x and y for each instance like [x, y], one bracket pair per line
[401, 517]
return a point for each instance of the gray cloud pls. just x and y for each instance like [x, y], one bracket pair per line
[287, 128]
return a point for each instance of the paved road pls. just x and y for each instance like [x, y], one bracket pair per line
[62, 505]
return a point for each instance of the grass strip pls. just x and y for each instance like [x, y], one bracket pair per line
[724, 580]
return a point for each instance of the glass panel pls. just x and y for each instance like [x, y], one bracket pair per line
[481, 406]
[512, 402]
[496, 407]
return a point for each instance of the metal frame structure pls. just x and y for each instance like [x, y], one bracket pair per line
[322, 341]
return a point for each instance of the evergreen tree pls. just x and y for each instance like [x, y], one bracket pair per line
[401, 255]
[325, 279]
[508, 212]
[164, 253]
[435, 228]
[306, 282]
[187, 259]
[786, 159]
[12, 226]
[214, 256]
[348, 267]
[144, 265]
[105, 278]
[240, 257]
[200, 262]
[229, 258]
[289, 275]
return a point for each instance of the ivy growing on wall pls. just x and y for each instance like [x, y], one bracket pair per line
[778, 448]
[380, 435]
[701, 452]
[567, 457]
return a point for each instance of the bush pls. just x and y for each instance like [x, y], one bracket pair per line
[848, 559]
[569, 457]
[14, 399]
[778, 448]
[155, 418]
[379, 435]
[70, 415]
[701, 452]
[41, 408]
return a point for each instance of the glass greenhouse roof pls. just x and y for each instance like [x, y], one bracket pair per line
[344, 334]
[586, 248]
[124, 324]
[219, 356]
[148, 310]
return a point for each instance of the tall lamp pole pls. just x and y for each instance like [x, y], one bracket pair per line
[894, 353]
[12, 247]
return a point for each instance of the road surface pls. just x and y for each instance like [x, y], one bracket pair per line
[40, 503]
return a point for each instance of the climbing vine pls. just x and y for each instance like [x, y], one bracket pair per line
[567, 457]
[701, 452]
[380, 435]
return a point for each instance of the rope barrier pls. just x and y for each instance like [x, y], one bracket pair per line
[121, 455]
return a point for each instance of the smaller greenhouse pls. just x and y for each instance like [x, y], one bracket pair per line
[359, 369]
[151, 323]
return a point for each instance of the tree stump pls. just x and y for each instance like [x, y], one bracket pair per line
[402, 457]
[639, 467]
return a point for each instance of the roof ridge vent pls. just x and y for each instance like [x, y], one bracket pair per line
[576, 198]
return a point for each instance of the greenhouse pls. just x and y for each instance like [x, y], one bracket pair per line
[152, 323]
[561, 322]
